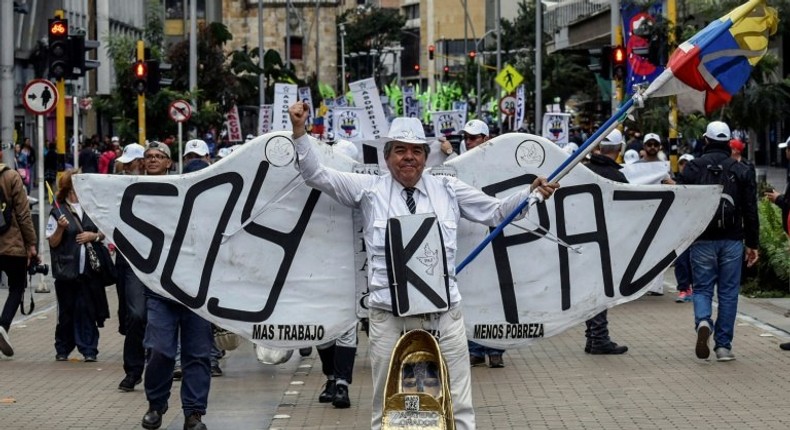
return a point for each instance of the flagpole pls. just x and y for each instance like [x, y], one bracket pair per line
[558, 174]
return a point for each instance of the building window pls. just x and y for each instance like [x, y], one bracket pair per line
[412, 11]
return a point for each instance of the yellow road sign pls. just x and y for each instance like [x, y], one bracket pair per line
[509, 78]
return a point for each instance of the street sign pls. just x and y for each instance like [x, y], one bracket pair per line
[179, 111]
[40, 97]
[507, 105]
[509, 78]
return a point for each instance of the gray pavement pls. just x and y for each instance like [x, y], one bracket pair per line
[658, 384]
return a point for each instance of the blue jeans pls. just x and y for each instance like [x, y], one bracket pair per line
[683, 270]
[166, 319]
[481, 351]
[717, 264]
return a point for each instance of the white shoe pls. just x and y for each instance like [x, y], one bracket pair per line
[5, 344]
[724, 354]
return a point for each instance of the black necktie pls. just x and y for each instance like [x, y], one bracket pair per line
[410, 199]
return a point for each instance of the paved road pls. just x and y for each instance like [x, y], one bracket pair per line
[658, 384]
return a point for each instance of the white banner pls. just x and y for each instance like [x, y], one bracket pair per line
[366, 96]
[233, 125]
[285, 278]
[521, 106]
[347, 123]
[284, 97]
[265, 119]
[411, 104]
[642, 173]
[556, 127]
[447, 122]
[305, 96]
[463, 107]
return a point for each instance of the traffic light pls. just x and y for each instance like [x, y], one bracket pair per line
[472, 55]
[601, 61]
[140, 72]
[79, 49]
[59, 51]
[618, 62]
[417, 68]
[446, 70]
[431, 50]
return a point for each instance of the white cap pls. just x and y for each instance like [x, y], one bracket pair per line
[132, 152]
[718, 131]
[613, 138]
[784, 144]
[115, 139]
[631, 156]
[249, 138]
[652, 136]
[686, 157]
[476, 127]
[196, 146]
[224, 152]
[406, 130]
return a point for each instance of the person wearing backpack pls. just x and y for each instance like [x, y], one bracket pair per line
[17, 246]
[717, 254]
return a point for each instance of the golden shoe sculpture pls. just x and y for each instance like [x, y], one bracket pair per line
[417, 393]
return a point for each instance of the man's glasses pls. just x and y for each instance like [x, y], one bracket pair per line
[156, 157]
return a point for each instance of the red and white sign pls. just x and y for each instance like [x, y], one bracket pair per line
[233, 124]
[507, 105]
[40, 97]
[179, 111]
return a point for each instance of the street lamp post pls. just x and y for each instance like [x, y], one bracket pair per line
[342, 57]
[477, 51]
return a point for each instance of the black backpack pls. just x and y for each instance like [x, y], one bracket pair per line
[724, 174]
[6, 207]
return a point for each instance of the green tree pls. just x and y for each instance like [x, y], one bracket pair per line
[368, 29]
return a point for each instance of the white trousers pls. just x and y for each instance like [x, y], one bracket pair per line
[385, 330]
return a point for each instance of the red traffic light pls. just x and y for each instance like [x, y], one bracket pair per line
[472, 54]
[618, 55]
[140, 69]
[446, 69]
[416, 67]
[431, 50]
[58, 28]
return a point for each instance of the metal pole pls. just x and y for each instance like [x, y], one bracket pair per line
[7, 81]
[288, 34]
[75, 132]
[430, 38]
[466, 25]
[180, 146]
[614, 18]
[262, 77]
[192, 53]
[499, 52]
[42, 286]
[343, 58]
[317, 42]
[141, 97]
[538, 68]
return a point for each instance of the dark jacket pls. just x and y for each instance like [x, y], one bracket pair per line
[606, 167]
[748, 229]
[65, 263]
[22, 234]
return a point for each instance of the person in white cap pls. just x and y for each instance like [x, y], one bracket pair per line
[603, 162]
[406, 190]
[651, 148]
[196, 149]
[718, 253]
[131, 160]
[249, 138]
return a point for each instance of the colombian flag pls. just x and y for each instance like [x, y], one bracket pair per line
[708, 69]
